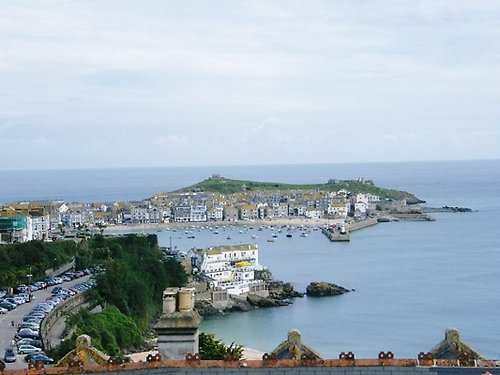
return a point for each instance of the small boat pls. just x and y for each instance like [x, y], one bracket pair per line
[289, 235]
[275, 235]
[303, 234]
[228, 237]
[270, 240]
[254, 236]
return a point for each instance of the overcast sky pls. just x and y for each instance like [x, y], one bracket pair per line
[87, 84]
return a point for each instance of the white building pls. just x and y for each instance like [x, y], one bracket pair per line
[40, 227]
[231, 268]
[198, 213]
[313, 214]
[360, 207]
[339, 208]
[140, 215]
[216, 213]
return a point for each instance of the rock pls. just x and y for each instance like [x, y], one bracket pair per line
[239, 305]
[205, 308]
[323, 288]
[282, 290]
[259, 301]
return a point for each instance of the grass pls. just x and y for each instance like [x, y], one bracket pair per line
[227, 187]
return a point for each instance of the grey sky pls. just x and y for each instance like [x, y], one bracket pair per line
[162, 83]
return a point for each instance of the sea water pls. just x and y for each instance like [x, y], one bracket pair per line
[412, 280]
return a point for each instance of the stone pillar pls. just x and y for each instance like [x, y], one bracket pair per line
[178, 327]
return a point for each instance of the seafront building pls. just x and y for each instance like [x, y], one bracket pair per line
[228, 268]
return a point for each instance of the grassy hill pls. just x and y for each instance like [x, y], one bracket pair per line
[226, 186]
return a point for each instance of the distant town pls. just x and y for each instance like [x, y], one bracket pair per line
[54, 220]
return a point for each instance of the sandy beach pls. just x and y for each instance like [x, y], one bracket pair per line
[291, 221]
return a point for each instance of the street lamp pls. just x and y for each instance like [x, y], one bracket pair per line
[29, 276]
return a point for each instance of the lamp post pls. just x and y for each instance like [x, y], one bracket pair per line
[29, 276]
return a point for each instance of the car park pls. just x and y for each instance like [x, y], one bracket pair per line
[26, 349]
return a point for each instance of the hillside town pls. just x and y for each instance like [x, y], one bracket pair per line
[52, 220]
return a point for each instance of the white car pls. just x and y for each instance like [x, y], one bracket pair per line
[26, 349]
[3, 310]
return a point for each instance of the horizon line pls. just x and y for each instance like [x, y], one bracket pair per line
[247, 165]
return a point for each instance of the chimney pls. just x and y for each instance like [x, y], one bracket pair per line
[186, 299]
[169, 300]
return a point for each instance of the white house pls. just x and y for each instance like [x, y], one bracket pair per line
[198, 213]
[231, 268]
[313, 213]
[339, 208]
[40, 227]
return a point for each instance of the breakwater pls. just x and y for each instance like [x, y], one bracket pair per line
[335, 234]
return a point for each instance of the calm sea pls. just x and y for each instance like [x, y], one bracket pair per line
[412, 280]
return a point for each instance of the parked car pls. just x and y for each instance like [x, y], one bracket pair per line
[28, 333]
[7, 305]
[9, 355]
[39, 357]
[28, 341]
[26, 349]
[3, 310]
[32, 325]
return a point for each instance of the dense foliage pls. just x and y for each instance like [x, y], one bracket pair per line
[110, 330]
[130, 288]
[228, 186]
[34, 257]
[211, 348]
[136, 275]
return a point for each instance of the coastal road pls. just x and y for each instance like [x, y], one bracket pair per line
[7, 332]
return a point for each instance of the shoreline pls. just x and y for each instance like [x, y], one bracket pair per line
[288, 221]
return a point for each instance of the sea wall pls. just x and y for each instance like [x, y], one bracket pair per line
[356, 225]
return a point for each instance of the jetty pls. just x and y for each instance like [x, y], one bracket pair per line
[342, 233]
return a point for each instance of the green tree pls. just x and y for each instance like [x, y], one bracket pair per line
[211, 348]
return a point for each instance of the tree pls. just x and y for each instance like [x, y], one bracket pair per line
[211, 348]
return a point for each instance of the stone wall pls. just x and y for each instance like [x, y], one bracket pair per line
[70, 305]
[298, 370]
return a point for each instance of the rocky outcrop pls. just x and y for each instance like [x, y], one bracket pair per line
[280, 294]
[282, 290]
[205, 308]
[323, 289]
[258, 301]
[446, 209]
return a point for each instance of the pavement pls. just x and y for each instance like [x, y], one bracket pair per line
[7, 332]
